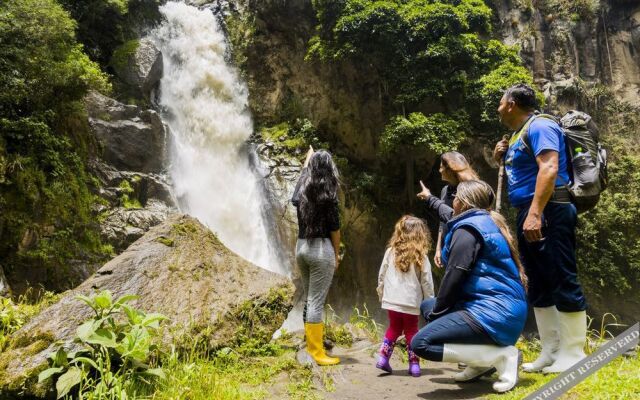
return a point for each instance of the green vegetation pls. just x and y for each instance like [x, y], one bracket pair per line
[118, 345]
[13, 315]
[127, 195]
[608, 236]
[574, 10]
[121, 55]
[103, 25]
[435, 62]
[408, 137]
[46, 215]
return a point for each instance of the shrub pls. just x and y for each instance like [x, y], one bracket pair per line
[115, 352]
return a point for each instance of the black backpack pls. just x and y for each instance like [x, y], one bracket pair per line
[587, 158]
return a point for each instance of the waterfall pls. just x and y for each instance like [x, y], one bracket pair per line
[204, 103]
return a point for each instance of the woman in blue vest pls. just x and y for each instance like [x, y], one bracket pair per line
[481, 306]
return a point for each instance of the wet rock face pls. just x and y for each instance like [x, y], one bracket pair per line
[132, 139]
[558, 48]
[137, 193]
[178, 268]
[139, 65]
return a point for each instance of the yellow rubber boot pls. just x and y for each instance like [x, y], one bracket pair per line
[315, 345]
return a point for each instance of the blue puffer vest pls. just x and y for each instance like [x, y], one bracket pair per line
[493, 292]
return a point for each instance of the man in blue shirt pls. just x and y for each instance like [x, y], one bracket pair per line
[537, 170]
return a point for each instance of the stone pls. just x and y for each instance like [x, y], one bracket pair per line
[179, 269]
[138, 63]
[5, 289]
[146, 186]
[123, 226]
[131, 138]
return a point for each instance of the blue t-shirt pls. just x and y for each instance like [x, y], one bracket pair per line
[522, 168]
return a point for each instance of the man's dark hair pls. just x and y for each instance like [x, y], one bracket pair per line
[523, 95]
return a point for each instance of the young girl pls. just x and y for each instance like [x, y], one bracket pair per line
[404, 281]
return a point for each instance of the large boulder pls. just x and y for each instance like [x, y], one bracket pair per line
[178, 268]
[138, 63]
[132, 138]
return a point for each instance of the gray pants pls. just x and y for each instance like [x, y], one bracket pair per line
[317, 263]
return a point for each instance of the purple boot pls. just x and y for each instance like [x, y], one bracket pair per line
[414, 363]
[386, 349]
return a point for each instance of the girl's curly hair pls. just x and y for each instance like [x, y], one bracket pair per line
[410, 243]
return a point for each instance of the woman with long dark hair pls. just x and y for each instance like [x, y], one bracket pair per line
[454, 168]
[481, 306]
[316, 201]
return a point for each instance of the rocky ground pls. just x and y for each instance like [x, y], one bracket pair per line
[357, 378]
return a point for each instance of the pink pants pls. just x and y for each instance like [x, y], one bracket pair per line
[401, 322]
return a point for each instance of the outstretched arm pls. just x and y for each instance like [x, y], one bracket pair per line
[444, 211]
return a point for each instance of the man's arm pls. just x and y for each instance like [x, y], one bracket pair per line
[545, 183]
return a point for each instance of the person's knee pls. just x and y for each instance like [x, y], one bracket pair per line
[427, 306]
[424, 348]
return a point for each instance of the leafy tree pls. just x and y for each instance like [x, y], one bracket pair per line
[435, 57]
[45, 216]
[418, 133]
[103, 25]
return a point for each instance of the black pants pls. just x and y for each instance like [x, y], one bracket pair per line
[550, 263]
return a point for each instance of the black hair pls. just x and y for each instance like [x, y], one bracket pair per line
[319, 190]
[523, 95]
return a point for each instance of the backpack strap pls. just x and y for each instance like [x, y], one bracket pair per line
[524, 132]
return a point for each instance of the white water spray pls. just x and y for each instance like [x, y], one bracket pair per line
[205, 106]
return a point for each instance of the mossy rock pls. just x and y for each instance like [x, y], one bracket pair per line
[180, 269]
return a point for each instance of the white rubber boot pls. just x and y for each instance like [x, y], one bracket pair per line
[482, 357]
[472, 374]
[573, 333]
[547, 321]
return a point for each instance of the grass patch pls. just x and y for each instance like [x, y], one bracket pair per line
[14, 314]
[227, 375]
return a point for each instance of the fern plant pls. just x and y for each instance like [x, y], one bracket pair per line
[115, 351]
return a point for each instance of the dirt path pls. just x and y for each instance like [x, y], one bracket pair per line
[357, 378]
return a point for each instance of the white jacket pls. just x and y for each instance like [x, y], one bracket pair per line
[403, 291]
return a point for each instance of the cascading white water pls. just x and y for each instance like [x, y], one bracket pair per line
[205, 106]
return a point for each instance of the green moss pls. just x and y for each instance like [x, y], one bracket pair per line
[22, 347]
[186, 228]
[240, 31]
[122, 54]
[257, 320]
[166, 241]
[127, 194]
[293, 137]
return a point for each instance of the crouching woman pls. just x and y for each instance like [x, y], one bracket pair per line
[481, 306]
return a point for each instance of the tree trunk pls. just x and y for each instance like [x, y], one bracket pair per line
[408, 183]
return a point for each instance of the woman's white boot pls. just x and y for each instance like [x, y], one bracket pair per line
[482, 357]
[547, 322]
[573, 334]
[471, 374]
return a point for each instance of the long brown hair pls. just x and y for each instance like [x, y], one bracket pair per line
[478, 194]
[410, 243]
[458, 164]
